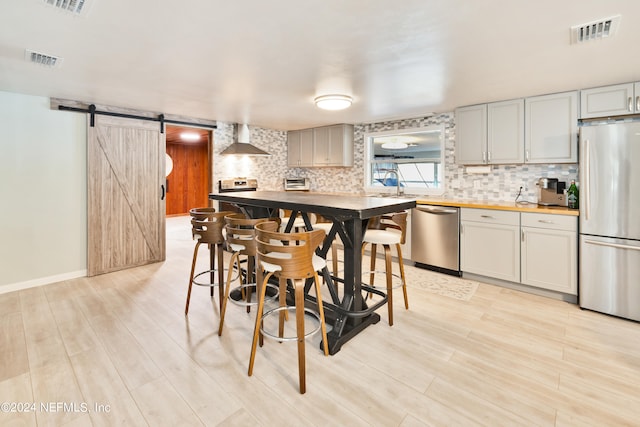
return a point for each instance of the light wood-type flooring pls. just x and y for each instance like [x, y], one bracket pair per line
[117, 350]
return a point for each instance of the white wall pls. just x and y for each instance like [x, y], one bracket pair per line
[43, 196]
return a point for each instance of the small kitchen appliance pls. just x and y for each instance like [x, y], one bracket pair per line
[297, 184]
[551, 192]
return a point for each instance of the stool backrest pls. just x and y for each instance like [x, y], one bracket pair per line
[207, 226]
[201, 213]
[395, 221]
[241, 231]
[292, 252]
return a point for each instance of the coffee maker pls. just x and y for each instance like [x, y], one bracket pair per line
[551, 192]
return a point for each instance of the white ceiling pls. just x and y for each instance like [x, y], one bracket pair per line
[263, 61]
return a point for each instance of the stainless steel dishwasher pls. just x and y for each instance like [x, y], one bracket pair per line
[435, 238]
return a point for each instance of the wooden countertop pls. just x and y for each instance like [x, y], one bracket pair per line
[504, 206]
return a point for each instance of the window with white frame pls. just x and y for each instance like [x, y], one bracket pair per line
[409, 159]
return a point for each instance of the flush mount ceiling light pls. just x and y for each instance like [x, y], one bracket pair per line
[394, 145]
[190, 136]
[333, 102]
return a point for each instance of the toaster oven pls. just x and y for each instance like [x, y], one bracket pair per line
[297, 184]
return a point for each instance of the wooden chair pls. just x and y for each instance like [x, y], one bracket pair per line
[240, 235]
[206, 228]
[387, 230]
[289, 256]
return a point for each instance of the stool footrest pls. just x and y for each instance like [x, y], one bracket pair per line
[395, 278]
[276, 311]
[215, 270]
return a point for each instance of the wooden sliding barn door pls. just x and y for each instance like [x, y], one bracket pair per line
[125, 194]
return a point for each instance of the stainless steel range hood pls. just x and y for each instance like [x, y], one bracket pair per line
[241, 145]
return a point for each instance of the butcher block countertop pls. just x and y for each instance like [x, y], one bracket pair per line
[503, 206]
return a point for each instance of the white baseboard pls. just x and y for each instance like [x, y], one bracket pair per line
[42, 281]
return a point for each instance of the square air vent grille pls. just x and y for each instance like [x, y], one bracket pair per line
[600, 29]
[42, 59]
[74, 6]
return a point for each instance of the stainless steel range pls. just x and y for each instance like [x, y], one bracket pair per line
[231, 185]
[237, 184]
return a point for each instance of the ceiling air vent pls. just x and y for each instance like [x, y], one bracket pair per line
[600, 29]
[42, 59]
[74, 6]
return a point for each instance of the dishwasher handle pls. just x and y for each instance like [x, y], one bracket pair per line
[437, 210]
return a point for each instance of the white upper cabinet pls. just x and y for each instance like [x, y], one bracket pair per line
[551, 128]
[471, 135]
[333, 146]
[323, 146]
[490, 133]
[300, 148]
[609, 101]
[505, 138]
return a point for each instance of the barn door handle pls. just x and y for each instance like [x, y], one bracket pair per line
[162, 188]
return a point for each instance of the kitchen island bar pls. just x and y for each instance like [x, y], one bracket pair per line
[350, 215]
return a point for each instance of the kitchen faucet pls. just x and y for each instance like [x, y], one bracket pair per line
[395, 172]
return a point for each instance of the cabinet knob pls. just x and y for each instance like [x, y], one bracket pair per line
[630, 104]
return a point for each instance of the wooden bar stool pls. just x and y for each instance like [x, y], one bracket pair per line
[387, 230]
[289, 256]
[240, 235]
[206, 228]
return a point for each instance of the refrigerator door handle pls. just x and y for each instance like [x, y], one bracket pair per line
[613, 245]
[587, 183]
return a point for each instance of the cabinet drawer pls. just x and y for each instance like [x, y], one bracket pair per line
[490, 216]
[550, 221]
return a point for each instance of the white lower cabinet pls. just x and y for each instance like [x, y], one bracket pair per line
[549, 250]
[533, 249]
[490, 243]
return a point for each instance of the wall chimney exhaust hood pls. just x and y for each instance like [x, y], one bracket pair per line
[241, 145]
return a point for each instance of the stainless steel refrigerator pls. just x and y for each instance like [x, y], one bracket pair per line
[610, 218]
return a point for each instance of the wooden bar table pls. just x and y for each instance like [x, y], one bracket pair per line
[350, 214]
